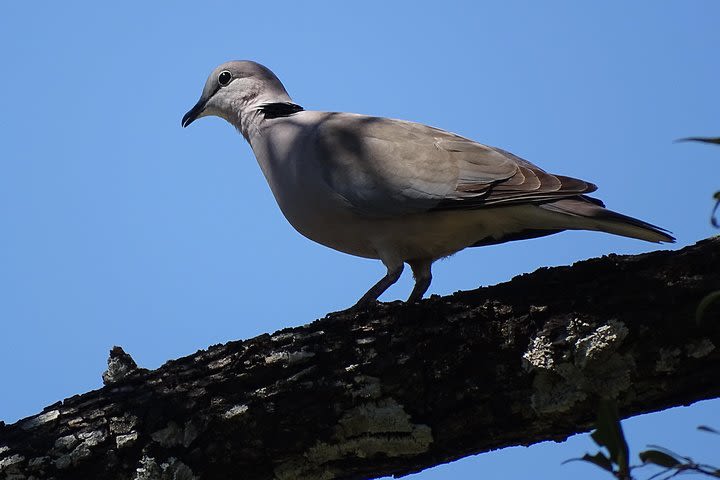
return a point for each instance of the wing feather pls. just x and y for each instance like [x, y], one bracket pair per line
[386, 167]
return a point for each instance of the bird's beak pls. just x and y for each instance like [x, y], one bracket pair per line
[194, 113]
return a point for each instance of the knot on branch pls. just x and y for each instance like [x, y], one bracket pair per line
[120, 365]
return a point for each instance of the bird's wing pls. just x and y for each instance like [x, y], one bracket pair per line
[388, 167]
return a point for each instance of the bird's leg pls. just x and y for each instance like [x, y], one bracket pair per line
[423, 277]
[392, 276]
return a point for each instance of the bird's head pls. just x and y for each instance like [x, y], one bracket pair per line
[233, 89]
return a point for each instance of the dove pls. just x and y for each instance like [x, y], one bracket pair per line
[393, 190]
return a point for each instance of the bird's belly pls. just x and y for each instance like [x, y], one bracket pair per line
[430, 235]
[328, 223]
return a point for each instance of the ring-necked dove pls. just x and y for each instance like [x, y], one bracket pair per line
[393, 190]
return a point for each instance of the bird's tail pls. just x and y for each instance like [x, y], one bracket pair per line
[590, 214]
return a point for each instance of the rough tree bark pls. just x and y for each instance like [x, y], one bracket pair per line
[397, 388]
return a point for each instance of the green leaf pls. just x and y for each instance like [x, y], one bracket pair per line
[659, 458]
[703, 306]
[715, 140]
[609, 434]
[705, 428]
[598, 459]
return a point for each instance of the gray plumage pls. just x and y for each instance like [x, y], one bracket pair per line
[393, 190]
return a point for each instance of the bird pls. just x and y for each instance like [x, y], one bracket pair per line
[393, 190]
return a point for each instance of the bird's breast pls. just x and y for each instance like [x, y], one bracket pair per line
[296, 181]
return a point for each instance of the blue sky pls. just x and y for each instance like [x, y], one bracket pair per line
[119, 227]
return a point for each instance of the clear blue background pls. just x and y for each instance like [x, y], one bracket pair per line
[119, 227]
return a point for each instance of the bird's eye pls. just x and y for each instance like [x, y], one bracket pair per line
[224, 78]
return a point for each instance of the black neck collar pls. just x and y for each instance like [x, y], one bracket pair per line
[280, 109]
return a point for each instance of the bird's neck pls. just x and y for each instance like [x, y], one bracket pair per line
[252, 114]
[249, 123]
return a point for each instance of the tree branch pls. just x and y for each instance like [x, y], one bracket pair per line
[397, 388]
